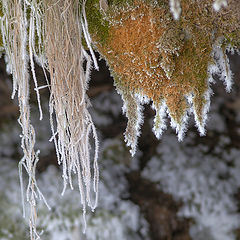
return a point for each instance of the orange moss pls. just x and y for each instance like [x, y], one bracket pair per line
[160, 58]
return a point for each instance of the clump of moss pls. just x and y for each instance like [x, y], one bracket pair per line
[158, 58]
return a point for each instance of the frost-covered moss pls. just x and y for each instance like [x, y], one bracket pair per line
[153, 56]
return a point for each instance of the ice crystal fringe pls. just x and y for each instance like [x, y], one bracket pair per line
[14, 35]
[201, 123]
[224, 70]
[160, 118]
[181, 126]
[68, 100]
[133, 109]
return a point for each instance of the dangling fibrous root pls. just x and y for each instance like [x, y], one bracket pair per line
[14, 35]
[68, 99]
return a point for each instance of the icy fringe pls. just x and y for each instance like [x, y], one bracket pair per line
[202, 119]
[181, 126]
[14, 35]
[222, 62]
[133, 109]
[160, 124]
[68, 99]
[160, 118]
[222, 69]
[175, 8]
[201, 122]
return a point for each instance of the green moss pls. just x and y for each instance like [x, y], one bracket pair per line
[232, 38]
[119, 2]
[1, 9]
[97, 25]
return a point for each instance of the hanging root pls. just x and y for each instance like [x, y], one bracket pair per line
[53, 32]
[68, 100]
[14, 35]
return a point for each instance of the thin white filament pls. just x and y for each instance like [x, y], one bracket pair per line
[31, 44]
[87, 35]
